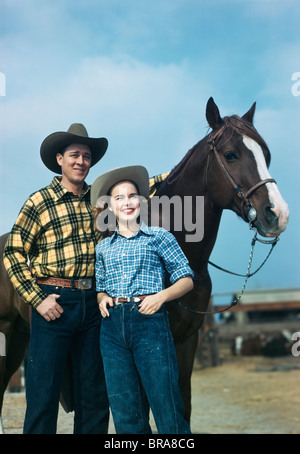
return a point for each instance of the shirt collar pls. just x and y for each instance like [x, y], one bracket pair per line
[143, 229]
[59, 190]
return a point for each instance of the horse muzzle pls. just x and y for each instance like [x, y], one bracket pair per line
[270, 223]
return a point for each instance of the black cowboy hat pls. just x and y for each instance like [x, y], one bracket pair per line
[76, 133]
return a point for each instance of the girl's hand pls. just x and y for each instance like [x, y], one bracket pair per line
[104, 302]
[151, 304]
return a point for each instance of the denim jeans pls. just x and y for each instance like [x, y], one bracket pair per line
[139, 357]
[76, 334]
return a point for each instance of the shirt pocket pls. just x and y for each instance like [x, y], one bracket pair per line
[147, 257]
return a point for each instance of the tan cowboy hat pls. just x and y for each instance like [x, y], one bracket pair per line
[137, 174]
[76, 133]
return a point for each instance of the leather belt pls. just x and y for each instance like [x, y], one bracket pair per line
[130, 299]
[83, 284]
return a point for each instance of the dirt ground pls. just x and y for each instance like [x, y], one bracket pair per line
[245, 395]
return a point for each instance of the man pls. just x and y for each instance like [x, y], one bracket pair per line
[54, 230]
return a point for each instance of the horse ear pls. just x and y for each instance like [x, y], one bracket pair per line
[250, 114]
[213, 115]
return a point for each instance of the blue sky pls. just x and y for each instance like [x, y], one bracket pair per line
[140, 73]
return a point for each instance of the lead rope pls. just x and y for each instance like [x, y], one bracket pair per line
[246, 276]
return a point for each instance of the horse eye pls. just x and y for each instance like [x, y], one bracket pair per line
[230, 156]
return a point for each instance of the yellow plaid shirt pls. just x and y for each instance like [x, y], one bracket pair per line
[55, 232]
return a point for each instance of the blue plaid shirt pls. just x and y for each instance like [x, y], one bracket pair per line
[137, 265]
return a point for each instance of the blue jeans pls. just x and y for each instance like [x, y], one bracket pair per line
[75, 333]
[139, 357]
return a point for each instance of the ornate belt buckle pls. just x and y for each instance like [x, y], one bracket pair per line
[85, 283]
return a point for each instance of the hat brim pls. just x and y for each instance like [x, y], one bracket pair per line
[54, 144]
[137, 174]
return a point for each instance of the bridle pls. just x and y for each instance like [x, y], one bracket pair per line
[251, 213]
[249, 217]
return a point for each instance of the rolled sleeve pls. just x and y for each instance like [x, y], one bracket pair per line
[184, 271]
[174, 259]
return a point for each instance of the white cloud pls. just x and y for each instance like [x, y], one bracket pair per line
[137, 98]
[149, 114]
[140, 73]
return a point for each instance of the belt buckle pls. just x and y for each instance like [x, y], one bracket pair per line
[85, 283]
[125, 300]
[118, 302]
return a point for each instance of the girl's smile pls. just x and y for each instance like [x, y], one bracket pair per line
[125, 204]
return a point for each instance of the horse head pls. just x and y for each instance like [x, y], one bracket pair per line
[237, 172]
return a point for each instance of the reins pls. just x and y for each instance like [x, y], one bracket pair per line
[246, 276]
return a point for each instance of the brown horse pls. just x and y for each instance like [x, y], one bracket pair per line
[14, 324]
[232, 159]
[229, 168]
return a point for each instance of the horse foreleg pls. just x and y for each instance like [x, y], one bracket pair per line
[5, 328]
[185, 351]
[17, 338]
[2, 373]
[17, 345]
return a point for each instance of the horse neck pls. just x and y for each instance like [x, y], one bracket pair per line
[189, 179]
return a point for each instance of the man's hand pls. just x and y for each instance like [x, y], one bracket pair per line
[49, 308]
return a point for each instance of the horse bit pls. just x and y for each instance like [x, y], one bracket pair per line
[249, 217]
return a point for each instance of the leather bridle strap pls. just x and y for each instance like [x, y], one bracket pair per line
[243, 197]
[256, 186]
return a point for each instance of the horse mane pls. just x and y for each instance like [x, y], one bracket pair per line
[178, 168]
[245, 127]
[237, 124]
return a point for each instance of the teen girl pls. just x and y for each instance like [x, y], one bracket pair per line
[136, 343]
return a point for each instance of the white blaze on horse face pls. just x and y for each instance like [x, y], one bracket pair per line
[277, 203]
